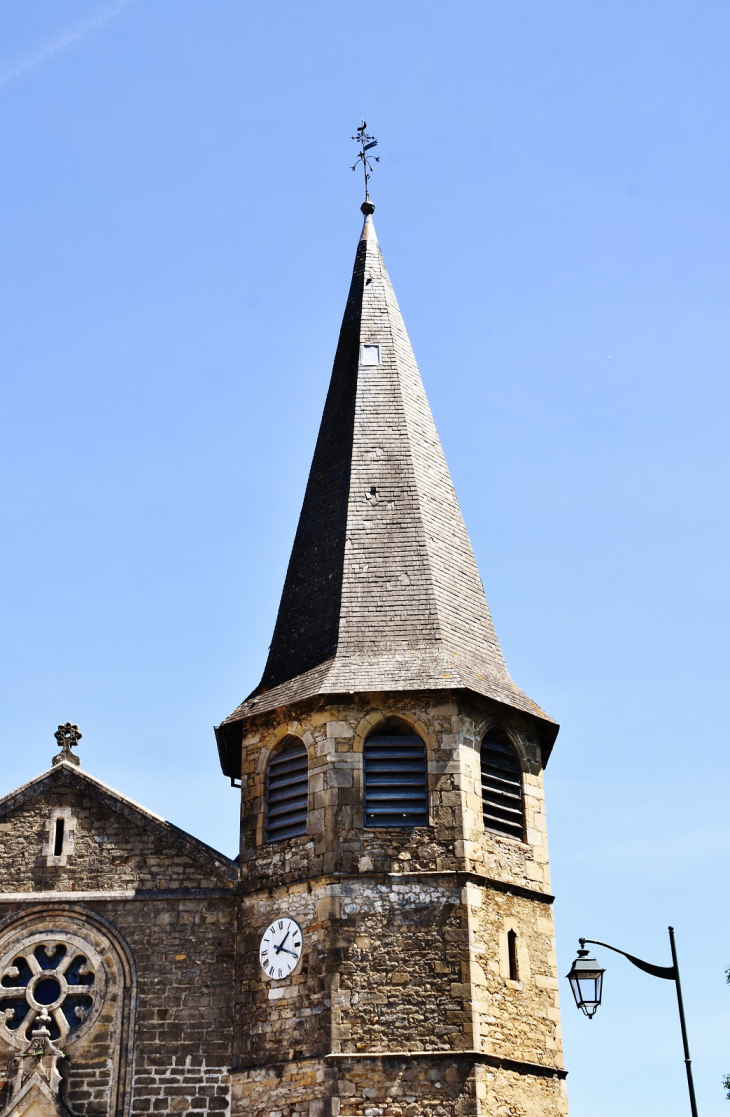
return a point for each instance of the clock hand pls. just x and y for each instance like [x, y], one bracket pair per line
[288, 951]
[280, 947]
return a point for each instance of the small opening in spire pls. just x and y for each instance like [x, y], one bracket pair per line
[369, 354]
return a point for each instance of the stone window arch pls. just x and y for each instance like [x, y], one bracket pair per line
[395, 777]
[77, 968]
[502, 796]
[287, 791]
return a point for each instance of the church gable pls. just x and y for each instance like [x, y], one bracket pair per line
[66, 831]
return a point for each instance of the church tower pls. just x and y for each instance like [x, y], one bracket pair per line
[396, 951]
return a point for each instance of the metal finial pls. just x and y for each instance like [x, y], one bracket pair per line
[68, 737]
[367, 143]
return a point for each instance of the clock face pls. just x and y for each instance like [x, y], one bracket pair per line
[281, 948]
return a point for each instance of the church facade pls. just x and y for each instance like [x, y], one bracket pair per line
[383, 944]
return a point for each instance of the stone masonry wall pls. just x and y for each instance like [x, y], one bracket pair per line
[383, 964]
[163, 1042]
[401, 964]
[395, 1087]
[521, 1015]
[97, 1056]
[180, 1039]
[110, 849]
[404, 930]
[336, 840]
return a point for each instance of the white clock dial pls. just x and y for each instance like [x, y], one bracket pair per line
[281, 948]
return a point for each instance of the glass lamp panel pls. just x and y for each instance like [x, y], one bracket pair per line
[599, 987]
[577, 993]
[586, 981]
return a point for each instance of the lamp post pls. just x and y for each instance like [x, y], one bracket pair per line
[586, 981]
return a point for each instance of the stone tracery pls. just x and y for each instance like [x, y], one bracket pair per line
[61, 975]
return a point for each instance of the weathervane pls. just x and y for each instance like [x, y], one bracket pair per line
[367, 143]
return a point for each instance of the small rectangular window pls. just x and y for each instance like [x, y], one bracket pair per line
[369, 354]
[514, 972]
[60, 827]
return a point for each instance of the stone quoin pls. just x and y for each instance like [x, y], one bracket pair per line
[383, 945]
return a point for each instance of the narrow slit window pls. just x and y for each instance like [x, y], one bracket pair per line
[287, 790]
[396, 781]
[502, 788]
[514, 973]
[369, 354]
[58, 837]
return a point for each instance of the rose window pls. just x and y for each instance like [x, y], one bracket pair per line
[62, 975]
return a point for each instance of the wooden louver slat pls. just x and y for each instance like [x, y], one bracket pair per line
[502, 789]
[396, 785]
[286, 793]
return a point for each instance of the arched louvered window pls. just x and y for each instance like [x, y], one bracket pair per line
[501, 787]
[286, 792]
[396, 783]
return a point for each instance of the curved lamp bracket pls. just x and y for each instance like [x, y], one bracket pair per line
[668, 972]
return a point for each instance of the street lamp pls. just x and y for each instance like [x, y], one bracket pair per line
[586, 981]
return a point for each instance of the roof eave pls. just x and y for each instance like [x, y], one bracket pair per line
[228, 739]
[229, 734]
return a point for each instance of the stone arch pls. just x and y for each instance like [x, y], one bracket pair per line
[272, 743]
[286, 729]
[68, 930]
[396, 784]
[286, 790]
[502, 777]
[377, 719]
[513, 738]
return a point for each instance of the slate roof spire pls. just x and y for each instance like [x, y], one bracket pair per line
[382, 592]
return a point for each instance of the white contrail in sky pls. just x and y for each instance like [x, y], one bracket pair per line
[62, 41]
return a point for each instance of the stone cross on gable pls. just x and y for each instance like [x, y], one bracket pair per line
[68, 736]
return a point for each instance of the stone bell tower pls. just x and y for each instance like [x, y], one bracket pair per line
[396, 951]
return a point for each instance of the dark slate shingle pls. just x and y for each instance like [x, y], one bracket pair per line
[382, 590]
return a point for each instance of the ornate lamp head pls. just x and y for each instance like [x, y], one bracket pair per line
[586, 981]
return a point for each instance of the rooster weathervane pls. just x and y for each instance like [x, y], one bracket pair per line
[367, 143]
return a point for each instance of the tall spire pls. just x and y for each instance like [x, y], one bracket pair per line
[382, 592]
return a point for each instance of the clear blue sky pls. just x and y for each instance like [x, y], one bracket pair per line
[178, 223]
